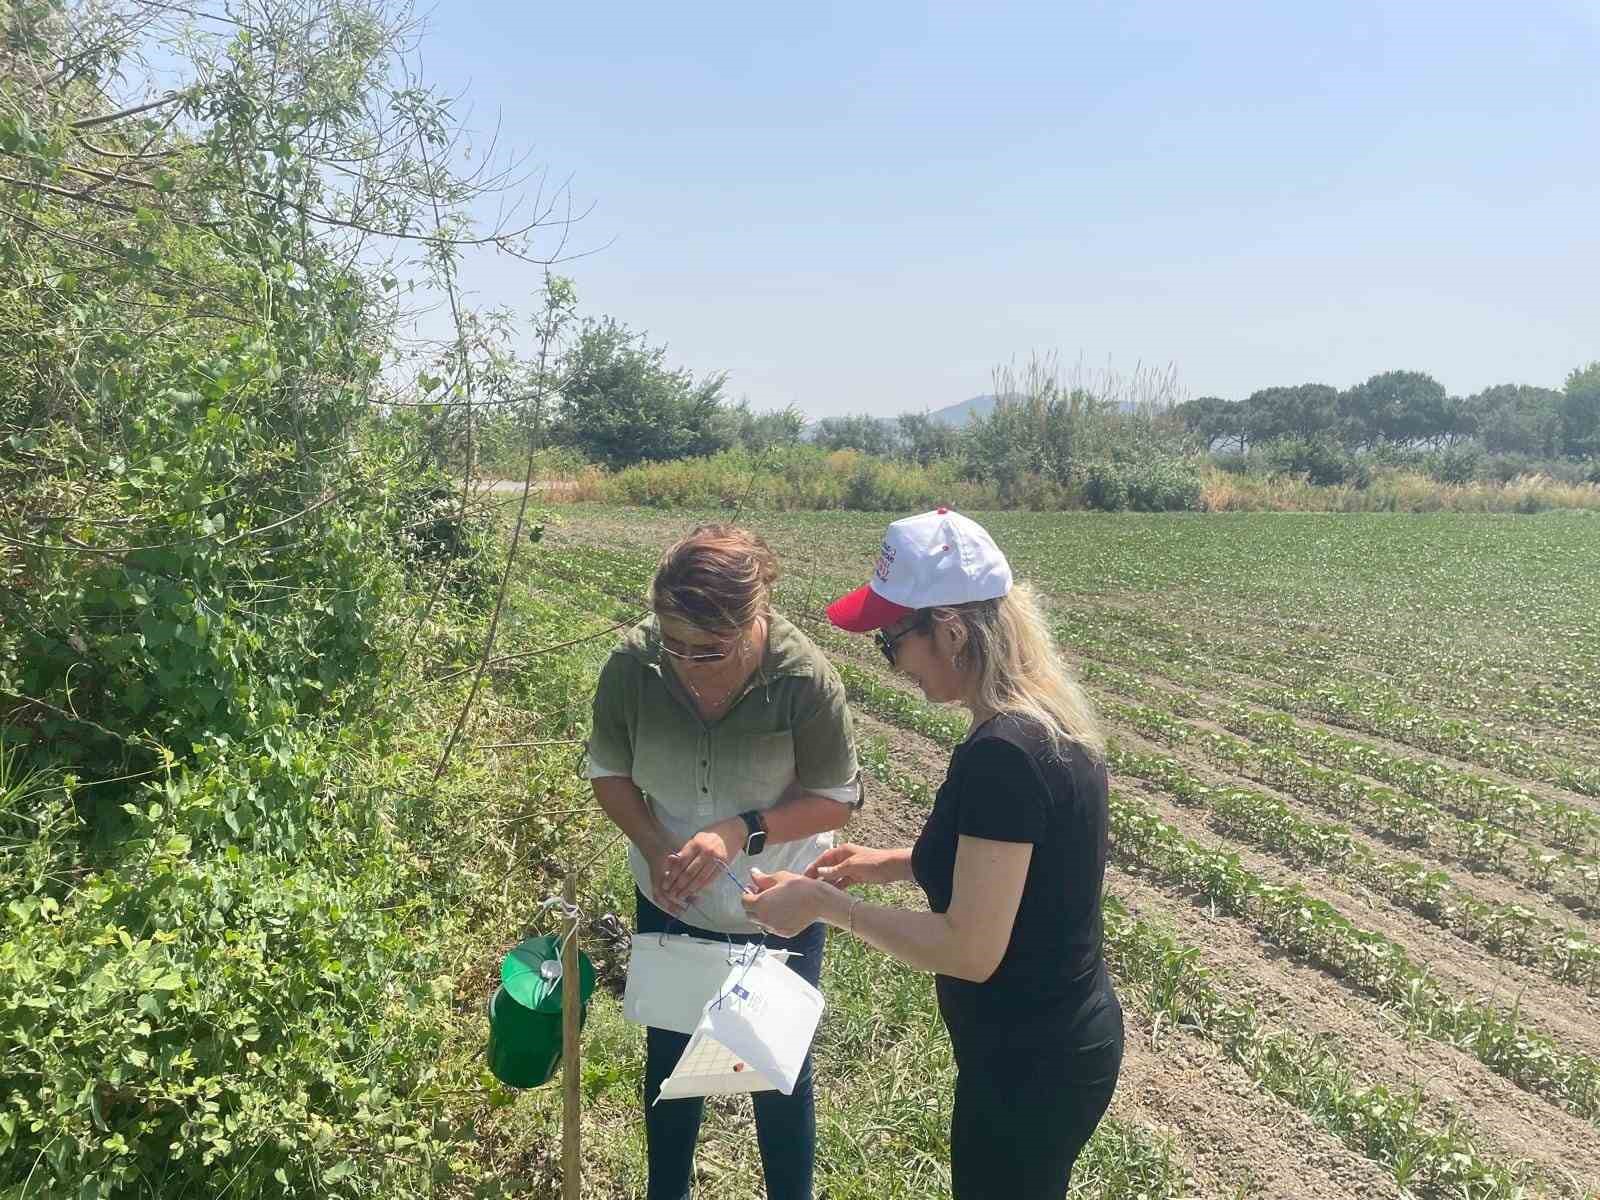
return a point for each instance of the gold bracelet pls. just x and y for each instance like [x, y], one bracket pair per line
[854, 900]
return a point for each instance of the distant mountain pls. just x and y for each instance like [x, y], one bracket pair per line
[969, 411]
[962, 414]
[966, 412]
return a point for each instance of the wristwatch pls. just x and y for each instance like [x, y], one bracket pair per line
[756, 841]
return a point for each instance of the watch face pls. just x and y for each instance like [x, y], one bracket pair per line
[757, 842]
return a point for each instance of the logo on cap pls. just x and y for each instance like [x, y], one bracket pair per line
[885, 561]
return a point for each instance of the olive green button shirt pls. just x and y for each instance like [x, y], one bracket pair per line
[790, 725]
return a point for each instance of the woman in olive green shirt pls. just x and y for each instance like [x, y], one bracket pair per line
[721, 742]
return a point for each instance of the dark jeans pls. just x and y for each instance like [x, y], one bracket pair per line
[786, 1126]
[1028, 1096]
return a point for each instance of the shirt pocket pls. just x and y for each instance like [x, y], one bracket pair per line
[759, 767]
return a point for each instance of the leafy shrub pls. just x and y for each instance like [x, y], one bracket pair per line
[1455, 464]
[1105, 488]
[1321, 460]
[1392, 491]
[1163, 485]
[223, 992]
[217, 962]
[431, 536]
[1158, 485]
[1503, 468]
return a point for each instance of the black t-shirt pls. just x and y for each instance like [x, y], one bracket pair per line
[1007, 783]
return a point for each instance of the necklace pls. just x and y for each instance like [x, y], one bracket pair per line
[712, 701]
[716, 699]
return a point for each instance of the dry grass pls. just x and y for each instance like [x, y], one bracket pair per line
[1396, 491]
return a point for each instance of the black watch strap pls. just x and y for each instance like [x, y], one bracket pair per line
[756, 837]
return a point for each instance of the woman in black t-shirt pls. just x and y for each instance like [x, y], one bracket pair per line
[1012, 860]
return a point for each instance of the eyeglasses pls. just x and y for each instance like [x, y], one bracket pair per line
[886, 643]
[709, 656]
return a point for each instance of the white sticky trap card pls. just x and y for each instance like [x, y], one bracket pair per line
[753, 1036]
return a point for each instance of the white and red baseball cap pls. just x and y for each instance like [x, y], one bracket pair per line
[934, 558]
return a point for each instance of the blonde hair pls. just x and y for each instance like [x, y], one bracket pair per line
[718, 578]
[1019, 670]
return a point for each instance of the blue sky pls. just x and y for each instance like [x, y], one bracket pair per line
[867, 207]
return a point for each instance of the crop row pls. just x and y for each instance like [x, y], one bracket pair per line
[876, 759]
[1437, 673]
[1564, 952]
[1574, 880]
[1317, 932]
[1573, 872]
[1458, 737]
[1350, 706]
[1512, 595]
[1387, 1125]
[1570, 826]
[1382, 811]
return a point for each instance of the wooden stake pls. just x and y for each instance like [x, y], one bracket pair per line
[571, 1009]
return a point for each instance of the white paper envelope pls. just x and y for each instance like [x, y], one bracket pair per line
[671, 976]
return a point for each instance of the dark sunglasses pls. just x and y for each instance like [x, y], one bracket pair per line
[886, 643]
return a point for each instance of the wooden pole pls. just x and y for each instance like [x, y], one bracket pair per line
[571, 1009]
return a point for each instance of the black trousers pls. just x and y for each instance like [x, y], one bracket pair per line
[786, 1126]
[1028, 1095]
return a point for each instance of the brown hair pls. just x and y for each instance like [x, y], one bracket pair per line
[719, 578]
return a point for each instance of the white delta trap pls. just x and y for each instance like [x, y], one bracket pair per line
[751, 1019]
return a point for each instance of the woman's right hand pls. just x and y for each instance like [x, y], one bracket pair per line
[850, 864]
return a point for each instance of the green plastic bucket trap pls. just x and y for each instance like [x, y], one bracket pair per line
[525, 1012]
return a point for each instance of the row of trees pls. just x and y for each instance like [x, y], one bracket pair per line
[1409, 408]
[616, 401]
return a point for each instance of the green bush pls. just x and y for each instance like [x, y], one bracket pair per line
[431, 536]
[1320, 460]
[225, 994]
[1455, 464]
[220, 945]
[804, 477]
[1105, 488]
[1158, 485]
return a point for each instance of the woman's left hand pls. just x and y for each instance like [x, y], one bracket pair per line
[786, 903]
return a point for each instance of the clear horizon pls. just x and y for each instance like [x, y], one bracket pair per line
[868, 209]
